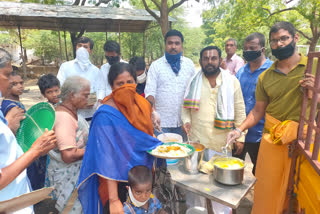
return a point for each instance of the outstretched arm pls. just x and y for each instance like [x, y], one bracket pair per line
[41, 146]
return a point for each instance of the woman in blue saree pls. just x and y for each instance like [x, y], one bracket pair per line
[120, 134]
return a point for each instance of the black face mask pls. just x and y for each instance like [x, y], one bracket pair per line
[251, 55]
[284, 52]
[113, 59]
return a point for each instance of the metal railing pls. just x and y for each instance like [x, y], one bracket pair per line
[308, 137]
[313, 121]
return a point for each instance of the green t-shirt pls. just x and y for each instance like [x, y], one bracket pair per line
[283, 92]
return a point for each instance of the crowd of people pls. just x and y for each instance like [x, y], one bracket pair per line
[106, 120]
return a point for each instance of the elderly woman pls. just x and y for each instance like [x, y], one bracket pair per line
[120, 134]
[72, 132]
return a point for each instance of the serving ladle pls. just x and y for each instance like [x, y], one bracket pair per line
[224, 150]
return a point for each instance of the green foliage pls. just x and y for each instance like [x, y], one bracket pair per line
[239, 18]
[154, 43]
[194, 39]
[45, 44]
[132, 45]
[98, 56]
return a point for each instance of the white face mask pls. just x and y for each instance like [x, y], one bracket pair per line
[83, 58]
[142, 77]
[135, 201]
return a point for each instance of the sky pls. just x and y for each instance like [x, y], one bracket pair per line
[193, 12]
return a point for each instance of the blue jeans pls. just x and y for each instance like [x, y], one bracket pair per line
[177, 130]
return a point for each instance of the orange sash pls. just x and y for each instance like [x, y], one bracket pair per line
[273, 167]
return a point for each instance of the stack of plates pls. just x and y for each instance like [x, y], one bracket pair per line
[38, 118]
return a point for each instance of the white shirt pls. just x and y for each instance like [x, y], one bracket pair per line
[93, 74]
[168, 89]
[10, 151]
[105, 72]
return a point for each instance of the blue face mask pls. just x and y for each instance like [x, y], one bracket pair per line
[174, 61]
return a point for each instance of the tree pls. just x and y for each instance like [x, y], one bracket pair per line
[76, 35]
[310, 11]
[165, 9]
[238, 18]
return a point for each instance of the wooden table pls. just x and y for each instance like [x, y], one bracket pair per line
[205, 185]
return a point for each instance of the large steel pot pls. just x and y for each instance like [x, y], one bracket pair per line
[226, 175]
[192, 162]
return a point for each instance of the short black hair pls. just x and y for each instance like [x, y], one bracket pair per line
[14, 73]
[117, 69]
[173, 33]
[210, 48]
[84, 39]
[138, 63]
[283, 25]
[139, 175]
[256, 35]
[111, 46]
[47, 81]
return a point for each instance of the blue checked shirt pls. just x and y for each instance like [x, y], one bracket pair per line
[248, 81]
[154, 207]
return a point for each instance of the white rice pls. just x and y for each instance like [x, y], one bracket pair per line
[182, 152]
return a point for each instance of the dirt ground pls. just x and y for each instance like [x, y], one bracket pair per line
[33, 96]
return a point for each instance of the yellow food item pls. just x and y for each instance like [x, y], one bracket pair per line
[228, 164]
[175, 148]
[164, 149]
[167, 140]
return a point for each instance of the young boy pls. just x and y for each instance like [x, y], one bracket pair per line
[49, 86]
[141, 200]
[12, 98]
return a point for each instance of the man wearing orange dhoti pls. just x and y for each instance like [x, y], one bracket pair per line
[278, 96]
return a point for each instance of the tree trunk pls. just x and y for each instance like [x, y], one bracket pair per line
[77, 2]
[164, 17]
[74, 38]
[73, 41]
[313, 45]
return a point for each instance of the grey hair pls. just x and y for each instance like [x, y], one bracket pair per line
[232, 40]
[5, 58]
[73, 84]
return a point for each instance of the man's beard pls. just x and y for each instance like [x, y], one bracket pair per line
[210, 70]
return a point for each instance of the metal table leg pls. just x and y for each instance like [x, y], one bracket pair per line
[209, 206]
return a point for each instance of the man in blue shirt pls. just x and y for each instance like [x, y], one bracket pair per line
[254, 54]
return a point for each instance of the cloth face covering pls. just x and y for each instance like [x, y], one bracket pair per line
[113, 59]
[174, 61]
[133, 106]
[284, 52]
[142, 78]
[135, 201]
[82, 57]
[251, 55]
